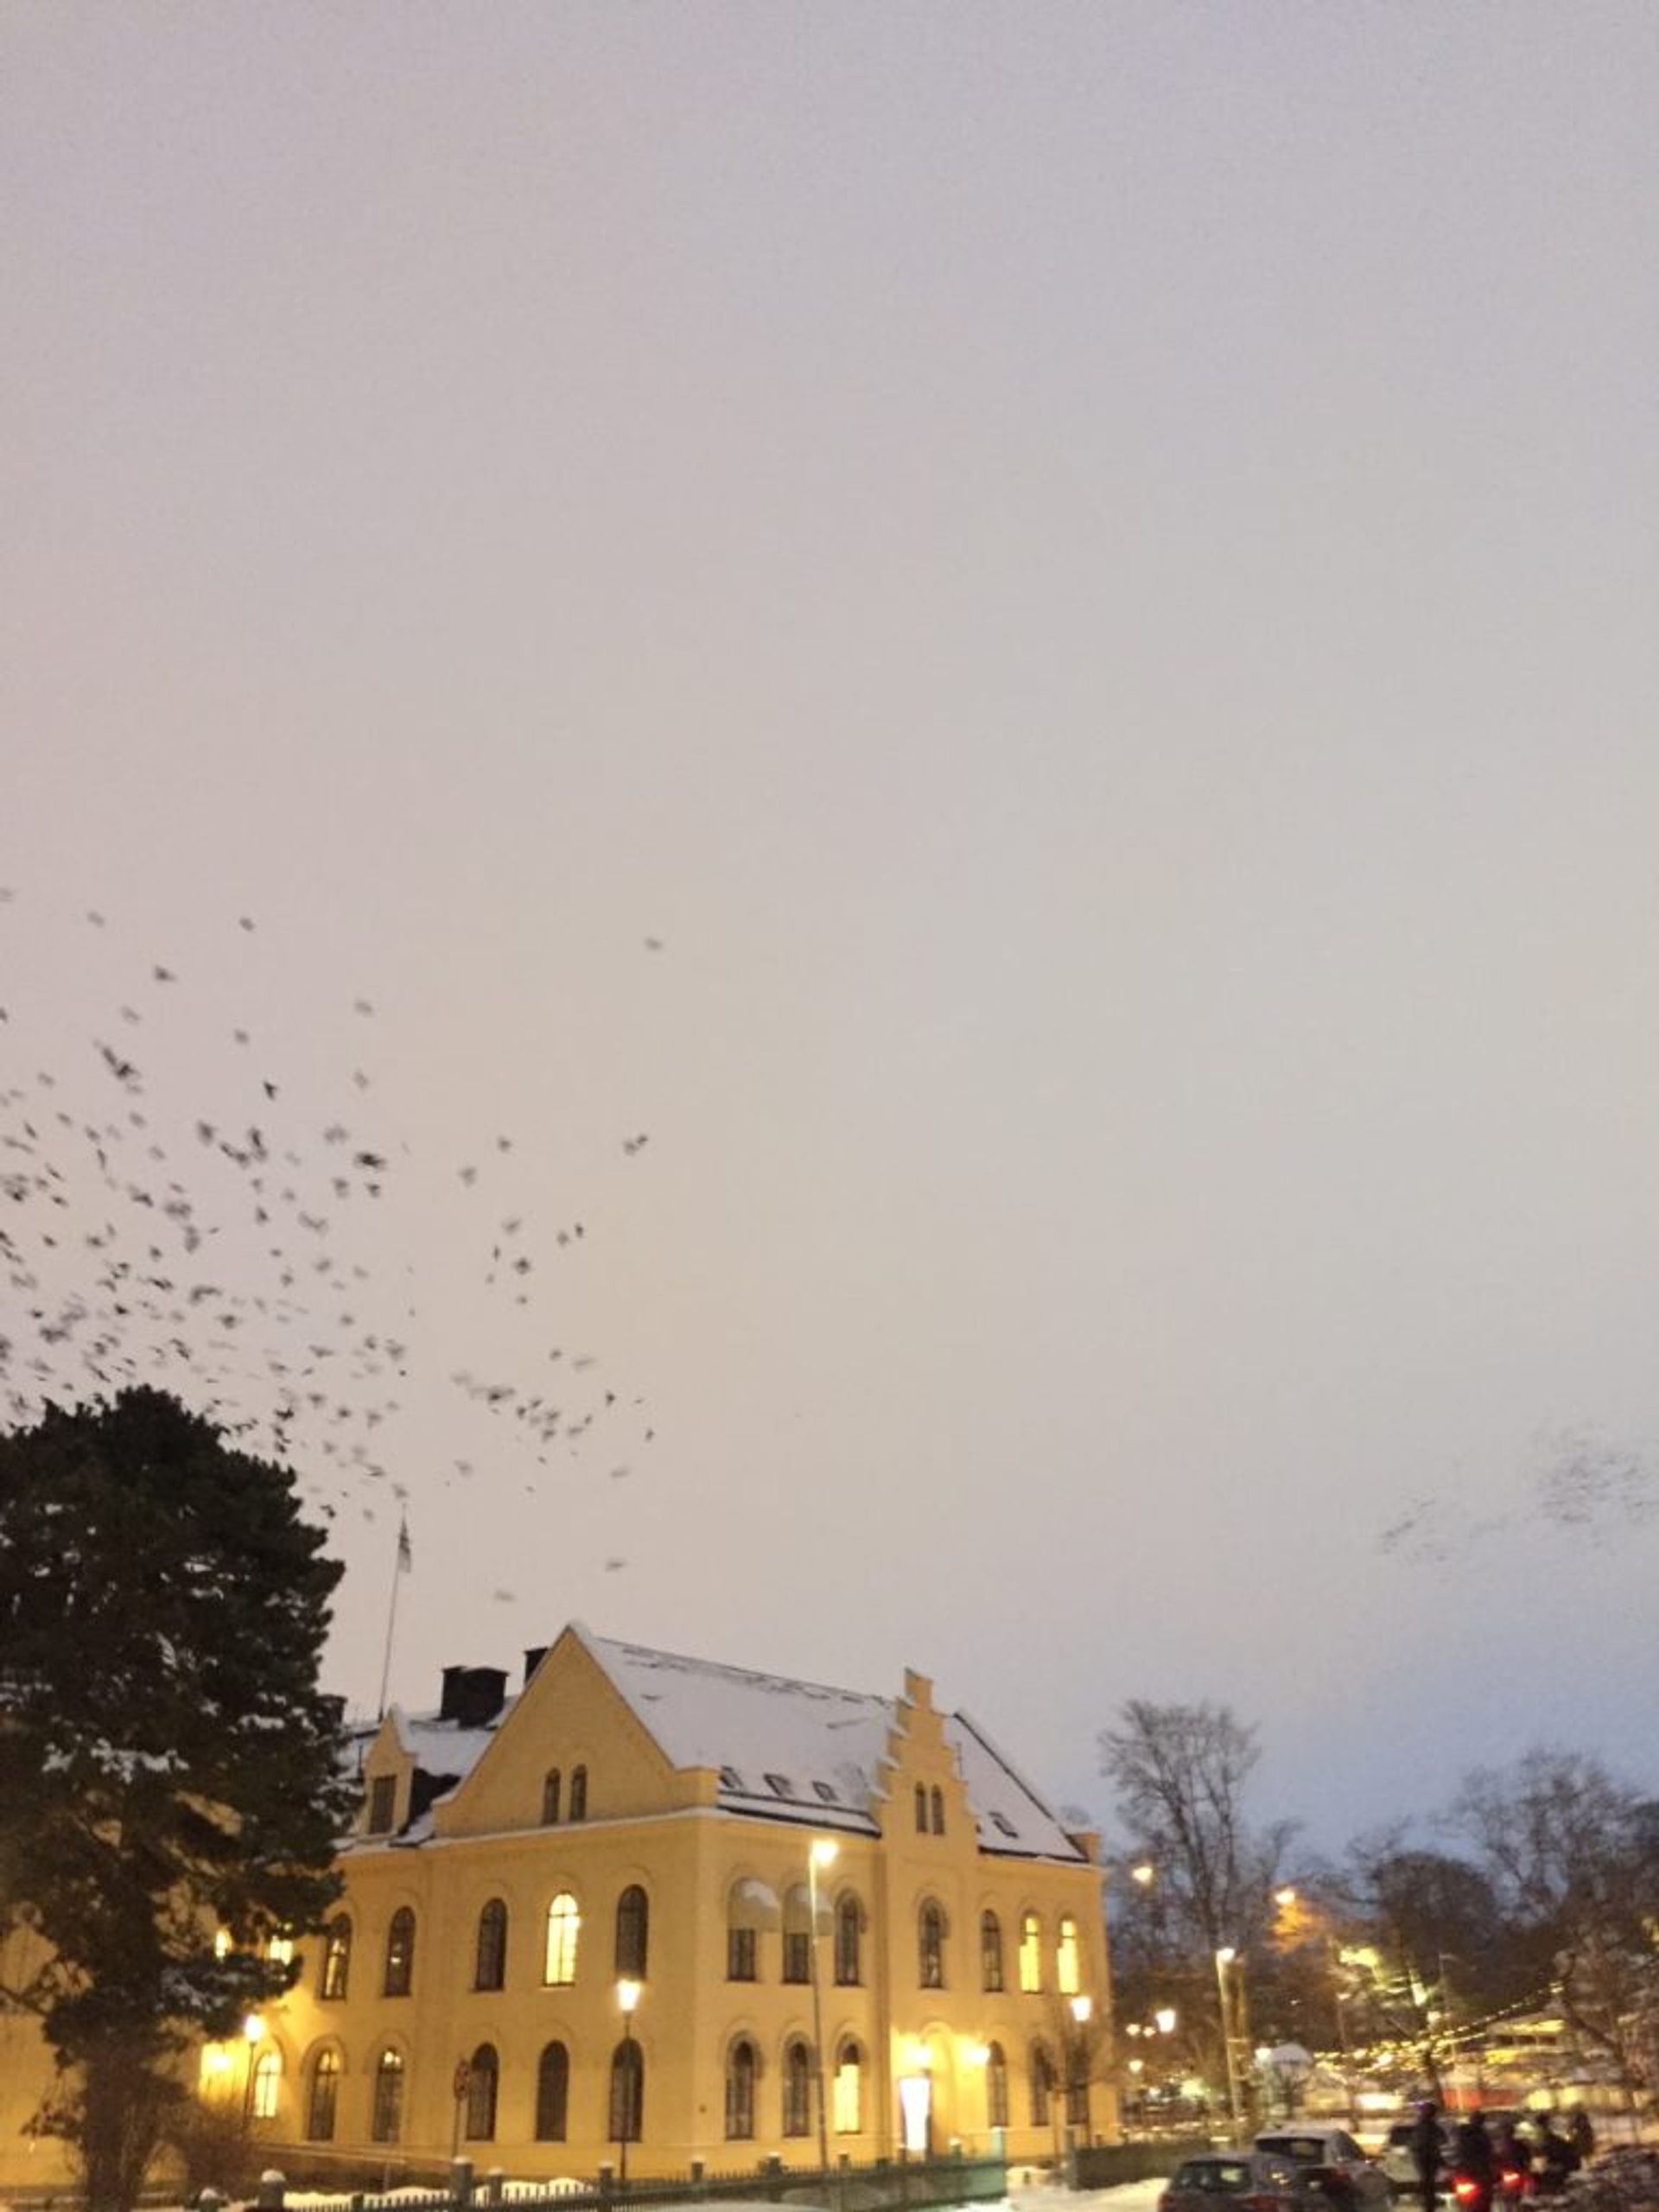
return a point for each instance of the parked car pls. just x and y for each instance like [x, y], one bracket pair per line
[1332, 2150]
[1256, 2181]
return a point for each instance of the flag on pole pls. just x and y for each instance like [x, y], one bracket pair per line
[405, 1556]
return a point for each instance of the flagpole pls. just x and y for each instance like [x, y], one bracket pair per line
[402, 1561]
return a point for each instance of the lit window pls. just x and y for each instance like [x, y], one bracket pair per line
[1065, 1960]
[400, 1955]
[222, 1944]
[482, 2080]
[578, 1793]
[798, 2089]
[1031, 1954]
[847, 2098]
[990, 1952]
[798, 1935]
[930, 1929]
[336, 1958]
[553, 2094]
[563, 1926]
[551, 1798]
[382, 1803]
[386, 2123]
[267, 2082]
[325, 2096]
[490, 1962]
[740, 2092]
[633, 1931]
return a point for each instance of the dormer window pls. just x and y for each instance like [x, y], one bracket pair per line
[778, 1785]
[382, 1803]
[730, 1778]
[826, 1793]
[1001, 1820]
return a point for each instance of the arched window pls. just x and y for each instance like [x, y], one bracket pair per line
[490, 1966]
[563, 1927]
[930, 1933]
[324, 2099]
[336, 1958]
[990, 1951]
[1031, 1954]
[935, 1800]
[798, 2088]
[481, 2084]
[1065, 1960]
[553, 2094]
[400, 1954]
[849, 2092]
[996, 2087]
[551, 1798]
[386, 2123]
[627, 2092]
[797, 1933]
[849, 1928]
[750, 1906]
[633, 1931]
[1042, 2084]
[740, 2064]
[267, 2084]
[921, 1809]
[578, 1793]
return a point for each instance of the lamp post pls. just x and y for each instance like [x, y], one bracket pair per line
[823, 1854]
[1077, 2086]
[1224, 1958]
[628, 1996]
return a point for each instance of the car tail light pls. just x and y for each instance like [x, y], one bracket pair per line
[1466, 2189]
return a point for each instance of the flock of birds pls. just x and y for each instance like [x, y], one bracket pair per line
[243, 1252]
[1580, 1478]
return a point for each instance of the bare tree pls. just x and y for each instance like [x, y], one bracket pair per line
[1573, 1857]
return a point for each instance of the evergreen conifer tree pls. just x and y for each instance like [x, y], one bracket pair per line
[169, 1767]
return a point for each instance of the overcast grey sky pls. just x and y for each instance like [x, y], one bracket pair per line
[1090, 572]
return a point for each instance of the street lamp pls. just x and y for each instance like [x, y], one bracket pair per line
[823, 1854]
[1143, 1873]
[1164, 2019]
[1224, 1958]
[628, 1996]
[252, 2029]
[1077, 2088]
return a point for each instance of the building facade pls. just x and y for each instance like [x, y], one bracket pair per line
[651, 1909]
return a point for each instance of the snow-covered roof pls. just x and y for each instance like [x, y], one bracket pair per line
[787, 1751]
[802, 1752]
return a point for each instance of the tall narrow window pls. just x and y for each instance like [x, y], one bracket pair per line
[847, 2103]
[633, 1931]
[336, 1958]
[551, 1798]
[798, 1934]
[563, 1927]
[990, 1951]
[482, 2081]
[1065, 1959]
[627, 2092]
[921, 1810]
[386, 2121]
[935, 1800]
[324, 2099]
[267, 2084]
[929, 1932]
[553, 2094]
[400, 1955]
[1031, 1954]
[996, 2087]
[849, 1924]
[382, 1803]
[578, 1793]
[490, 1964]
[1042, 2084]
[798, 2089]
[740, 2092]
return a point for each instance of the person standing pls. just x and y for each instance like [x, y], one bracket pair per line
[1474, 2161]
[1426, 2151]
[1580, 2135]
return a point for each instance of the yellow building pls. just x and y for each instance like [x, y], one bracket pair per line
[634, 1827]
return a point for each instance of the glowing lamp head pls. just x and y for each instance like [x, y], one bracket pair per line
[824, 1851]
[628, 1996]
[253, 2027]
[1142, 1873]
[1082, 2007]
[1225, 1955]
[1164, 2019]
[1287, 1897]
